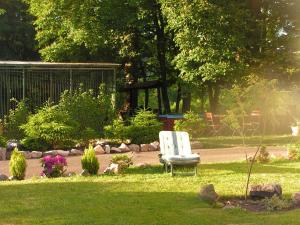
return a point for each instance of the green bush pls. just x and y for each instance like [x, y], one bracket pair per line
[17, 165]
[144, 127]
[15, 119]
[51, 125]
[35, 144]
[192, 123]
[124, 161]
[89, 112]
[89, 161]
[276, 203]
[294, 151]
[2, 141]
[263, 156]
[116, 131]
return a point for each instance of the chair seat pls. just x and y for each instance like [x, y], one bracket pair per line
[181, 159]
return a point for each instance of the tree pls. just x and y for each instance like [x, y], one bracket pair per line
[16, 32]
[212, 41]
[133, 32]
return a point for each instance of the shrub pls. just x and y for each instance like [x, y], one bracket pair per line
[263, 156]
[51, 125]
[192, 123]
[15, 119]
[2, 141]
[116, 131]
[276, 203]
[17, 164]
[294, 151]
[36, 144]
[89, 161]
[89, 112]
[124, 161]
[144, 127]
[53, 166]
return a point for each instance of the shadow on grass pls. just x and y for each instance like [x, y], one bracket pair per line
[242, 167]
[118, 203]
[157, 169]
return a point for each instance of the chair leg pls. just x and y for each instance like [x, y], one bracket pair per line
[196, 170]
[166, 167]
[172, 170]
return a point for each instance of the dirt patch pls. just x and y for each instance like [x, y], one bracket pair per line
[253, 206]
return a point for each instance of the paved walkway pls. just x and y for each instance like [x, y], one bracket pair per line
[207, 156]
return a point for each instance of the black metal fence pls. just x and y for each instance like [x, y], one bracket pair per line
[42, 82]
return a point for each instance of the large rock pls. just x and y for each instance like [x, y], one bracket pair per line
[134, 148]
[52, 153]
[147, 148]
[85, 173]
[115, 150]
[99, 150]
[62, 153]
[11, 145]
[27, 154]
[265, 191]
[208, 193]
[296, 198]
[107, 149]
[2, 154]
[36, 154]
[124, 148]
[155, 145]
[112, 168]
[3, 177]
[76, 152]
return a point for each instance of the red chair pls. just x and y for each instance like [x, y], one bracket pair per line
[213, 123]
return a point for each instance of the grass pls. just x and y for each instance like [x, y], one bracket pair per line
[231, 141]
[144, 196]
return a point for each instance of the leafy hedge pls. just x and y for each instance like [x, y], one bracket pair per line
[143, 128]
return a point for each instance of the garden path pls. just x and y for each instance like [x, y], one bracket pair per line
[207, 156]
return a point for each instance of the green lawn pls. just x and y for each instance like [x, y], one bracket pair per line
[230, 141]
[144, 196]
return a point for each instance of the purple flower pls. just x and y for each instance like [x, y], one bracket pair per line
[53, 165]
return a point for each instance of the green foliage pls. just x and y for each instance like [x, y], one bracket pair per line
[124, 161]
[16, 118]
[89, 161]
[144, 127]
[263, 155]
[16, 31]
[2, 141]
[276, 203]
[294, 151]
[35, 144]
[192, 123]
[211, 36]
[17, 164]
[89, 112]
[51, 125]
[116, 131]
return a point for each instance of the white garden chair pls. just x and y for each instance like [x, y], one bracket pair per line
[175, 149]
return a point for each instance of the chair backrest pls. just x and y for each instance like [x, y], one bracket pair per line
[174, 143]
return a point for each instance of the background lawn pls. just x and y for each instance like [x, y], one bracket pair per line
[231, 141]
[144, 196]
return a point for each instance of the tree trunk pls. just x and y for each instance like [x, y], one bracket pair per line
[159, 23]
[186, 102]
[159, 101]
[213, 95]
[178, 98]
